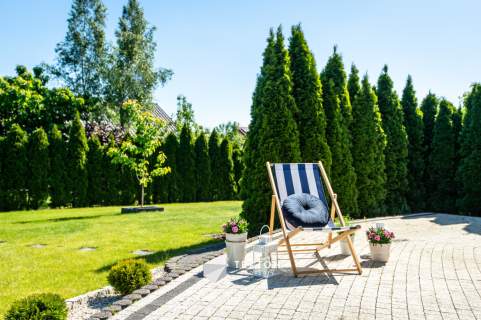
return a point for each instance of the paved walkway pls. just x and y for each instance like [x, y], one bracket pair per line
[434, 273]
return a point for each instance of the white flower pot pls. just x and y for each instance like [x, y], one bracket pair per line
[345, 246]
[380, 252]
[235, 245]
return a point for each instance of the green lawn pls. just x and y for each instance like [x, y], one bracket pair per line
[61, 268]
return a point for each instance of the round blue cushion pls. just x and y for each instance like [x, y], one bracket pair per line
[303, 209]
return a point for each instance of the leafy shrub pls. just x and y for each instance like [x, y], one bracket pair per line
[38, 307]
[129, 275]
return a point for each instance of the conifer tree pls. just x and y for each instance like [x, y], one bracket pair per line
[95, 171]
[338, 132]
[2, 173]
[443, 161]
[396, 152]
[15, 168]
[39, 169]
[469, 171]
[77, 161]
[413, 122]
[429, 108]
[368, 148]
[112, 173]
[343, 176]
[237, 159]
[353, 85]
[334, 70]
[81, 57]
[273, 134]
[186, 166]
[226, 171]
[59, 179]
[215, 161]
[169, 187]
[202, 168]
[307, 92]
[133, 75]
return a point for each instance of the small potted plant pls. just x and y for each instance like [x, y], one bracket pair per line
[379, 242]
[343, 243]
[235, 240]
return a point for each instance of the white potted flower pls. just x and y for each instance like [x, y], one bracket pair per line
[380, 243]
[235, 240]
[343, 243]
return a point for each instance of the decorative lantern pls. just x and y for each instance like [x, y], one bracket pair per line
[262, 263]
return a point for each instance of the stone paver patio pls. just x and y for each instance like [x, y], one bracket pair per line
[434, 273]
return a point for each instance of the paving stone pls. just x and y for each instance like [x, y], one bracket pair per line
[159, 282]
[103, 315]
[150, 287]
[133, 297]
[112, 309]
[142, 292]
[124, 303]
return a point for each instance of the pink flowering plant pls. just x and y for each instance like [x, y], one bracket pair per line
[235, 225]
[379, 235]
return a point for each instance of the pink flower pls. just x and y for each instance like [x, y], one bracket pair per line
[392, 235]
[377, 238]
[235, 229]
[387, 234]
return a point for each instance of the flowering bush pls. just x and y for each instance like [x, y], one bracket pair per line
[379, 235]
[235, 225]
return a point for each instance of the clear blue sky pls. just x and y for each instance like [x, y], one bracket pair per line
[215, 47]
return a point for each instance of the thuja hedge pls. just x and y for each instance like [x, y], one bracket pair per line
[60, 170]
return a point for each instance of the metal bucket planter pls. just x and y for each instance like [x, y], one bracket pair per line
[235, 248]
[345, 246]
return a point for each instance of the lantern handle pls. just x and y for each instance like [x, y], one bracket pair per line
[268, 228]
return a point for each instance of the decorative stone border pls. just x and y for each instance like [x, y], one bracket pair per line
[174, 267]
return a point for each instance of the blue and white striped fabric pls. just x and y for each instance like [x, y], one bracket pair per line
[296, 178]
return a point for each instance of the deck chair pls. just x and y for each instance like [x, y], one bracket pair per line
[293, 178]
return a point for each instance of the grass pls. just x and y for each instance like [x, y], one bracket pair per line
[60, 266]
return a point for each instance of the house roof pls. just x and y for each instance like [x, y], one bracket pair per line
[158, 112]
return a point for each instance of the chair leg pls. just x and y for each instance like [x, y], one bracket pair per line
[354, 255]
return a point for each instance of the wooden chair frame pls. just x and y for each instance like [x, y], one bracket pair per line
[316, 247]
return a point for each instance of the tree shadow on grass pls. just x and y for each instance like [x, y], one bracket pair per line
[163, 255]
[63, 219]
[444, 219]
